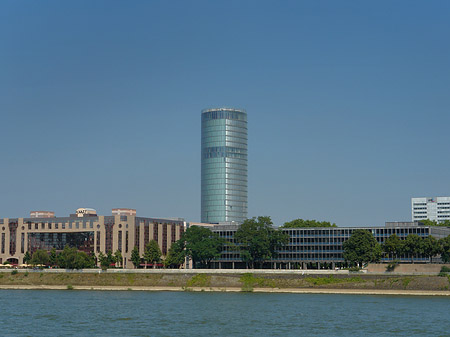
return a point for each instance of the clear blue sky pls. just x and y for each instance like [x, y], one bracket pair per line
[348, 104]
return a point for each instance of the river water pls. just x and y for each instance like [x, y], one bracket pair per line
[138, 313]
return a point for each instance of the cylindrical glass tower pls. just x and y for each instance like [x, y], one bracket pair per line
[224, 165]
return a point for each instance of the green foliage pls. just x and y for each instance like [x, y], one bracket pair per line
[26, 257]
[152, 253]
[300, 223]
[176, 255]
[393, 246]
[14, 272]
[53, 258]
[106, 260]
[445, 249]
[40, 257]
[118, 257]
[199, 280]
[258, 241]
[318, 281]
[249, 281]
[135, 257]
[202, 245]
[413, 245]
[362, 247]
[70, 287]
[71, 258]
[430, 247]
[406, 281]
[427, 222]
[445, 269]
[392, 265]
[354, 269]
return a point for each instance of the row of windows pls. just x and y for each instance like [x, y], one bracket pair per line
[228, 203]
[241, 179]
[225, 175]
[206, 134]
[222, 139]
[224, 170]
[218, 124]
[233, 196]
[217, 138]
[227, 131]
[237, 124]
[212, 197]
[220, 114]
[225, 143]
[223, 187]
[234, 142]
[227, 149]
[221, 126]
[224, 155]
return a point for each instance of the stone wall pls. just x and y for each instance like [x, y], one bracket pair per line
[407, 268]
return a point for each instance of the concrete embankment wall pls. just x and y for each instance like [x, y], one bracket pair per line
[217, 280]
[410, 269]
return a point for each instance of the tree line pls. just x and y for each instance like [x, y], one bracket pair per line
[362, 247]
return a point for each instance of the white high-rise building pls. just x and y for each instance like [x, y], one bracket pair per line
[436, 208]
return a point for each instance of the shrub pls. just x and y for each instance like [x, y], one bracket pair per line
[445, 269]
[392, 265]
[354, 269]
[14, 272]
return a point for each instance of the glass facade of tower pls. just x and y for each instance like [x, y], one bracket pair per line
[224, 165]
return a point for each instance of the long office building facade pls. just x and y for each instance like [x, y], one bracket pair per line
[224, 185]
[431, 208]
[319, 246]
[87, 232]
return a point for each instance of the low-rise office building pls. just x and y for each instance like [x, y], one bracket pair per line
[88, 232]
[320, 246]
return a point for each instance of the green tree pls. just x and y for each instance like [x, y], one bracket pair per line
[103, 260]
[413, 246]
[135, 257]
[300, 223]
[53, 257]
[118, 257]
[202, 245]
[41, 257]
[442, 223]
[110, 258]
[393, 246]
[258, 241]
[445, 249]
[71, 258]
[106, 260]
[26, 257]
[152, 253]
[176, 254]
[362, 247]
[430, 247]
